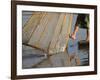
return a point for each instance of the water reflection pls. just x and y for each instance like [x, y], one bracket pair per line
[34, 60]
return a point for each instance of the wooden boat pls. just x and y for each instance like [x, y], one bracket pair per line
[48, 31]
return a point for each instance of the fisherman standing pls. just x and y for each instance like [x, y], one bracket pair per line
[82, 22]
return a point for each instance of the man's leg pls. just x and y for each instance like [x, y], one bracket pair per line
[77, 60]
[73, 35]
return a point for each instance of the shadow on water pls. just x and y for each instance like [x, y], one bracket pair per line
[32, 56]
[84, 57]
[84, 63]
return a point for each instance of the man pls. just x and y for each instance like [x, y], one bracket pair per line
[82, 22]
